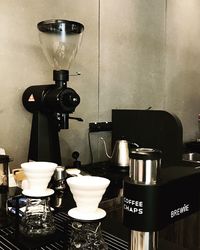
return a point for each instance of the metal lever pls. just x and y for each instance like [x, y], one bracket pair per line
[76, 74]
[76, 118]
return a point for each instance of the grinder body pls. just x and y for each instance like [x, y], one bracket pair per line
[51, 105]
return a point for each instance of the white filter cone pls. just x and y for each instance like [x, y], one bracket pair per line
[38, 175]
[87, 192]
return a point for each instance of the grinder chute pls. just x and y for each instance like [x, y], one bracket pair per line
[51, 104]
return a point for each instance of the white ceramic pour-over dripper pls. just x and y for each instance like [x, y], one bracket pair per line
[87, 192]
[38, 175]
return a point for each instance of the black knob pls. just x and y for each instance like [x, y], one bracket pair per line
[76, 163]
[75, 155]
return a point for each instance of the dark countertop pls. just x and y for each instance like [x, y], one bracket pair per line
[182, 235]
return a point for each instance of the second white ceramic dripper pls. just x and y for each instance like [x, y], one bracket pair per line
[87, 192]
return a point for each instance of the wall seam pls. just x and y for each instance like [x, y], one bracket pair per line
[99, 58]
[165, 54]
[98, 70]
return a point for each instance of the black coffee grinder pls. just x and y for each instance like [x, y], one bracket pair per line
[51, 104]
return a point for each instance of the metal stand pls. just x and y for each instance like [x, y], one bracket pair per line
[143, 240]
[144, 170]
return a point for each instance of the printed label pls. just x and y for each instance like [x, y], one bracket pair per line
[31, 98]
[180, 210]
[133, 206]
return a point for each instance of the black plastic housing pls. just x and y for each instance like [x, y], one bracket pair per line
[152, 207]
[100, 126]
[150, 129]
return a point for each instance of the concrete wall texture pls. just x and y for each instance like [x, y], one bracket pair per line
[135, 54]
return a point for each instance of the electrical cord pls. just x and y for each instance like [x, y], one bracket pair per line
[90, 148]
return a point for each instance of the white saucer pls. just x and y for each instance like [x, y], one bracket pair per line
[73, 171]
[33, 193]
[98, 214]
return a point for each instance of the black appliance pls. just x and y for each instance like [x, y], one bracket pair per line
[156, 129]
[172, 202]
[51, 104]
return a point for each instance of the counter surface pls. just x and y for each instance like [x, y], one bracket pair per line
[116, 235]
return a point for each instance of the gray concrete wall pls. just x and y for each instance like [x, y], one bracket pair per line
[183, 63]
[134, 54]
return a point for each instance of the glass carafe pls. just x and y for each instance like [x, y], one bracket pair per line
[37, 220]
[86, 235]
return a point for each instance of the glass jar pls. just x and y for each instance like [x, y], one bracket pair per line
[4, 160]
[86, 235]
[37, 220]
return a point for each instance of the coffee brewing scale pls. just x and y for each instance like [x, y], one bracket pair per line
[51, 104]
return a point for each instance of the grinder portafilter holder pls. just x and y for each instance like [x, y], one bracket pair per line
[144, 170]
